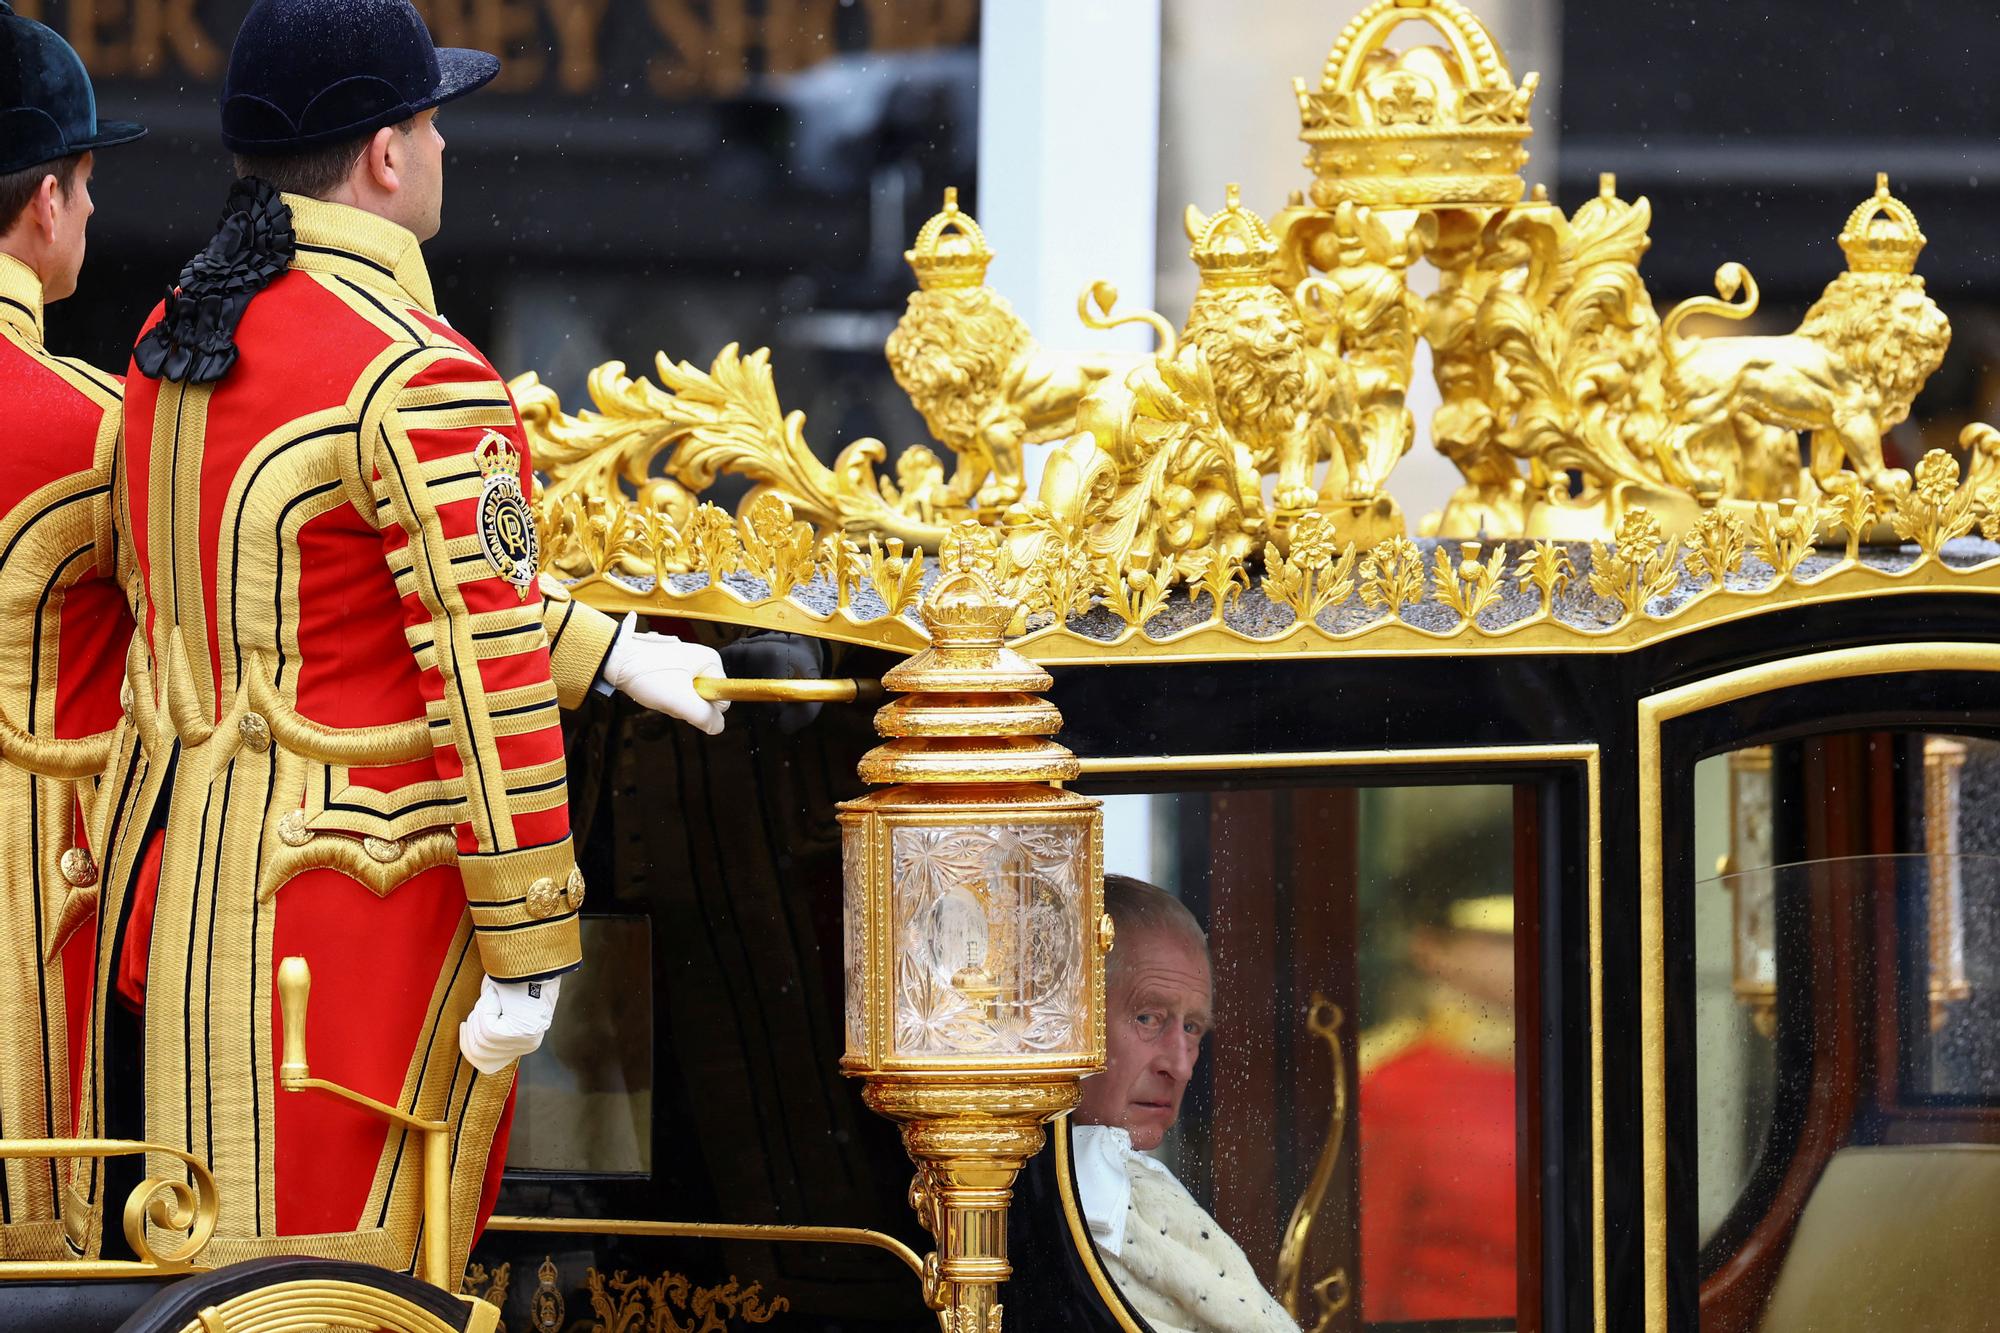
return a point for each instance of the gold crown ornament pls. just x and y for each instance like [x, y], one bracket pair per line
[951, 250]
[1425, 127]
[1232, 248]
[1881, 236]
[498, 457]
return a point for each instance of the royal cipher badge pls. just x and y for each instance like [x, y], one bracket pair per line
[506, 524]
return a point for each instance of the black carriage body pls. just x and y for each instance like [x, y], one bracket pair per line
[727, 850]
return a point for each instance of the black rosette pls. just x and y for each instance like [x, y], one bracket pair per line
[195, 340]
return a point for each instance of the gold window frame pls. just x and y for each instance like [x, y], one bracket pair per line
[1585, 756]
[1655, 711]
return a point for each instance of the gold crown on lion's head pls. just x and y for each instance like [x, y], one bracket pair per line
[1233, 248]
[1882, 236]
[497, 456]
[951, 250]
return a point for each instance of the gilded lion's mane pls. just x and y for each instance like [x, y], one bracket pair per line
[950, 352]
[1262, 378]
[1886, 329]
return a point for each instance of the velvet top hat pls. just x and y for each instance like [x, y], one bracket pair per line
[305, 73]
[48, 110]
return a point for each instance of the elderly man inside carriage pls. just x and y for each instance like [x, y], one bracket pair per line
[1172, 1260]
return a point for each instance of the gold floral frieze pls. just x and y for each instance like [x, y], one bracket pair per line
[1324, 595]
[621, 1303]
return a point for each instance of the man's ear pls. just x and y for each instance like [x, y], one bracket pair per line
[44, 208]
[384, 161]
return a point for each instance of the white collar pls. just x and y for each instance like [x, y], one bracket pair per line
[1103, 1159]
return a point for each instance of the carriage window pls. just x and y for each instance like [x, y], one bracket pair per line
[584, 1101]
[1847, 1043]
[1358, 935]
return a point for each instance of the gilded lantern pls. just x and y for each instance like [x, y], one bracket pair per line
[975, 931]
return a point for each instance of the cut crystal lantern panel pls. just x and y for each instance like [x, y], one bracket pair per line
[989, 933]
[854, 943]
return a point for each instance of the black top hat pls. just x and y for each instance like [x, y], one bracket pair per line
[304, 73]
[48, 110]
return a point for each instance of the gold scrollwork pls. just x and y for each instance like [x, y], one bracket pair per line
[621, 1302]
[1234, 466]
[160, 1204]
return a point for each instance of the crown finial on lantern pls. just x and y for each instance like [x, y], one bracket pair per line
[1232, 248]
[1882, 236]
[951, 250]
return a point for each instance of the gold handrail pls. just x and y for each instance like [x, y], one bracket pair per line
[618, 1226]
[173, 1204]
[1333, 1291]
[295, 1075]
[716, 689]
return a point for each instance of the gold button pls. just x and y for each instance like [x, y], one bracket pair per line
[573, 890]
[1107, 933]
[79, 868]
[292, 830]
[385, 850]
[256, 732]
[545, 898]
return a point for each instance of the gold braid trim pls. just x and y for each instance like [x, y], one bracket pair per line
[370, 1246]
[141, 701]
[347, 747]
[505, 877]
[538, 951]
[350, 856]
[32, 1240]
[580, 639]
[72, 760]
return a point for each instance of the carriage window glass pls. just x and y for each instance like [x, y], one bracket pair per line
[1359, 934]
[1847, 1043]
[584, 1101]
[1952, 1031]
[1735, 974]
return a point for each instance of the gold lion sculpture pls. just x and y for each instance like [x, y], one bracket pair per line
[985, 386]
[1847, 375]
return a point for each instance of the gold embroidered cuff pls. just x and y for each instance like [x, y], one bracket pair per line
[538, 949]
[580, 639]
[498, 884]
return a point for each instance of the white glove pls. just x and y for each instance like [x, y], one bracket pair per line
[659, 671]
[507, 1022]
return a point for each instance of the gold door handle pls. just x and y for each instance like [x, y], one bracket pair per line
[295, 1075]
[1333, 1292]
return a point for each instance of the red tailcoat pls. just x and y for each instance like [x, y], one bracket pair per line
[347, 704]
[67, 627]
[1437, 1184]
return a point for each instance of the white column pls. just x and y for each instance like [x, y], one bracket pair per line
[1069, 152]
[1069, 142]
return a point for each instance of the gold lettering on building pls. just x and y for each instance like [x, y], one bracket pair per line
[576, 24]
[512, 28]
[161, 24]
[708, 52]
[698, 48]
[798, 34]
[912, 25]
[151, 32]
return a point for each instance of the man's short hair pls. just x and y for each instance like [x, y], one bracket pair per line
[18, 188]
[1137, 907]
[313, 172]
